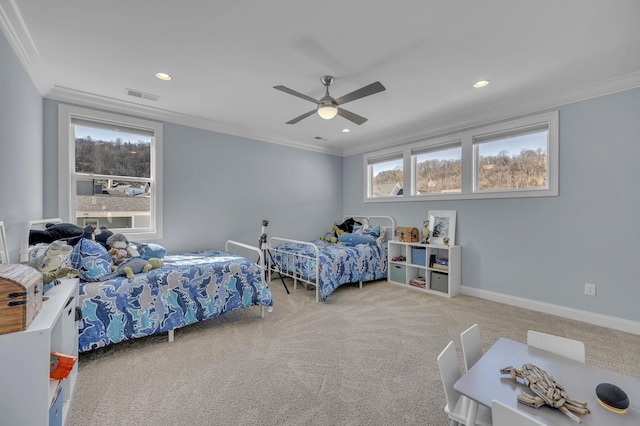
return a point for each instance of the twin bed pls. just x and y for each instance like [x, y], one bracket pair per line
[357, 255]
[190, 287]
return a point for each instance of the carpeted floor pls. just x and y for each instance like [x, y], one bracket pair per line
[365, 357]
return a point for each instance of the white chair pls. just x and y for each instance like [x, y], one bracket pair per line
[504, 415]
[563, 346]
[471, 346]
[457, 406]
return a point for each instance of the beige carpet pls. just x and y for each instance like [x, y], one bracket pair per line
[365, 357]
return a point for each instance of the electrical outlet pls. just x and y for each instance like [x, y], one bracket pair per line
[590, 289]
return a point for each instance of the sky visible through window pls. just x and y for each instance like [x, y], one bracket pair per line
[109, 135]
[512, 145]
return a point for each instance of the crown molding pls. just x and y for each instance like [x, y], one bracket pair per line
[17, 34]
[453, 123]
[68, 95]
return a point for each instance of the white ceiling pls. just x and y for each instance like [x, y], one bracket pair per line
[225, 56]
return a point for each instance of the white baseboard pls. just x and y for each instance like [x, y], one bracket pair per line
[561, 311]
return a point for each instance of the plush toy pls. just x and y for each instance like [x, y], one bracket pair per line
[89, 232]
[55, 262]
[119, 242]
[53, 232]
[102, 236]
[135, 265]
[332, 237]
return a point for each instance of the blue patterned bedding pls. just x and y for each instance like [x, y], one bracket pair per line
[190, 287]
[339, 264]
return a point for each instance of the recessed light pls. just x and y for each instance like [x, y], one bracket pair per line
[163, 76]
[481, 83]
[345, 130]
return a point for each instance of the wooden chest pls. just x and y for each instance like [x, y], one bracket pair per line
[406, 234]
[20, 296]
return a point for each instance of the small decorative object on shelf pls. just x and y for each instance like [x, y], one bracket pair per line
[425, 232]
[406, 234]
[547, 391]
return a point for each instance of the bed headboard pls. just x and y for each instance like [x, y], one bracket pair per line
[387, 221]
[4, 248]
[24, 239]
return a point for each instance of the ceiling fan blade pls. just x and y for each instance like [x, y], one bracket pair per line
[358, 119]
[301, 117]
[371, 89]
[294, 93]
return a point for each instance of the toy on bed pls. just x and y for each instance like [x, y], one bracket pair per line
[360, 255]
[54, 262]
[133, 266]
[120, 249]
[53, 232]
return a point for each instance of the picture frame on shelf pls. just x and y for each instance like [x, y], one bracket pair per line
[442, 227]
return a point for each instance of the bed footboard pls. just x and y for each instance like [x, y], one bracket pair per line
[298, 266]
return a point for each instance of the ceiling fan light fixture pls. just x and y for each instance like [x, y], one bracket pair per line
[327, 111]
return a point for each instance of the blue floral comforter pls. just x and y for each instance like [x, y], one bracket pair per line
[190, 287]
[339, 264]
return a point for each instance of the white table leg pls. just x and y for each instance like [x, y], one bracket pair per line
[473, 412]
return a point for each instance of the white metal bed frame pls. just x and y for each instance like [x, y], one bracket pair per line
[313, 278]
[25, 249]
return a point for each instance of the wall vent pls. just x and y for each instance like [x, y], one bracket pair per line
[142, 95]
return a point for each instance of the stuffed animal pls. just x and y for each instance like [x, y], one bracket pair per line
[119, 242]
[53, 232]
[55, 262]
[89, 232]
[102, 236]
[135, 265]
[332, 237]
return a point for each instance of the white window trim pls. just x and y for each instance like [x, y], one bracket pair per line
[468, 163]
[387, 154]
[66, 158]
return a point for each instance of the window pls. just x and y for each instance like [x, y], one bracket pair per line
[110, 171]
[385, 176]
[512, 161]
[437, 170]
[518, 158]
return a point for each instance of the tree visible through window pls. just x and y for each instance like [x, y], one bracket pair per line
[113, 171]
[110, 171]
[386, 177]
[438, 170]
[513, 162]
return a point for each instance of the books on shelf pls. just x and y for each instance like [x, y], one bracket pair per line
[418, 282]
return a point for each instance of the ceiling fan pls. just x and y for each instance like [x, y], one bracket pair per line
[328, 106]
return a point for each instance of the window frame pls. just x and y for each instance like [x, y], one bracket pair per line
[379, 157]
[469, 162]
[67, 175]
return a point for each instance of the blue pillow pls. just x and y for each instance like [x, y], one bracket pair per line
[355, 239]
[147, 251]
[373, 231]
[91, 260]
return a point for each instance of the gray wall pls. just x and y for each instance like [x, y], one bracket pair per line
[546, 249]
[20, 147]
[219, 187]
